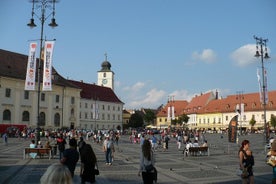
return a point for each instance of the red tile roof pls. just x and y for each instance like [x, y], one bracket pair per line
[179, 106]
[251, 101]
[199, 102]
[95, 92]
[14, 65]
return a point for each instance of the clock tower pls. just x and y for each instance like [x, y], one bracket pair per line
[105, 75]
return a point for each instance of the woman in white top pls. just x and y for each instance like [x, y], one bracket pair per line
[147, 163]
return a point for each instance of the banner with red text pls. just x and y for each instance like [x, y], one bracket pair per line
[31, 68]
[47, 67]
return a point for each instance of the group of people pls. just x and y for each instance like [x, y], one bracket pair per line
[63, 171]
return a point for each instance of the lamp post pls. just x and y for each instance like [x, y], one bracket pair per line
[261, 51]
[41, 5]
[240, 108]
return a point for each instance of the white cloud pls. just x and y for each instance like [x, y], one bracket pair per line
[207, 56]
[152, 99]
[244, 55]
[136, 87]
[181, 95]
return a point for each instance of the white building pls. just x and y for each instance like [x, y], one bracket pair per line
[70, 104]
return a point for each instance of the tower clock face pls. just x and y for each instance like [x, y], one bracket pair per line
[104, 81]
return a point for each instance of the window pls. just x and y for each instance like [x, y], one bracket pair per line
[7, 115]
[26, 95]
[42, 119]
[86, 105]
[57, 98]
[43, 97]
[85, 115]
[72, 112]
[25, 116]
[113, 117]
[8, 92]
[57, 120]
[104, 74]
[72, 100]
[103, 107]
[108, 108]
[108, 116]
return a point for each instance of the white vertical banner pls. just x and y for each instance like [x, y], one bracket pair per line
[169, 113]
[265, 84]
[47, 67]
[260, 85]
[97, 111]
[173, 116]
[242, 109]
[94, 110]
[31, 68]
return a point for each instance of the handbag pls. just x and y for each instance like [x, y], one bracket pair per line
[96, 170]
[149, 168]
[242, 173]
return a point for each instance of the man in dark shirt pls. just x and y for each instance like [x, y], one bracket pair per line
[71, 156]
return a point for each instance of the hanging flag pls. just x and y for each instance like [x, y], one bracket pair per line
[95, 111]
[169, 113]
[31, 68]
[260, 85]
[265, 85]
[232, 130]
[173, 116]
[47, 67]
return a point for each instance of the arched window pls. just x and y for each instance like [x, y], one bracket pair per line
[25, 116]
[57, 120]
[7, 115]
[42, 119]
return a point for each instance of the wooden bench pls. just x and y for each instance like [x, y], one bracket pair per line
[197, 151]
[40, 152]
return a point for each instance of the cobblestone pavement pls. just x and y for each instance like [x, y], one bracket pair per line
[173, 168]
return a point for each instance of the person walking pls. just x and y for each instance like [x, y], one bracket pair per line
[109, 150]
[5, 138]
[246, 161]
[71, 156]
[81, 143]
[61, 145]
[147, 162]
[88, 163]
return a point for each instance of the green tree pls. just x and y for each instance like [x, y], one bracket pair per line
[149, 116]
[252, 122]
[273, 120]
[136, 120]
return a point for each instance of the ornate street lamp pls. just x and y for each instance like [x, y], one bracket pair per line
[41, 5]
[261, 51]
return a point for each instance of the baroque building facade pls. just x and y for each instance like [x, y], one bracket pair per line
[64, 106]
[207, 111]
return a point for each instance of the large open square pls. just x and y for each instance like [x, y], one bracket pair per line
[173, 168]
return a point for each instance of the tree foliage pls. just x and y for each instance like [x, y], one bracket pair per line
[273, 120]
[252, 122]
[149, 116]
[136, 120]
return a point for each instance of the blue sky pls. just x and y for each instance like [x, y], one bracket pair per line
[157, 48]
